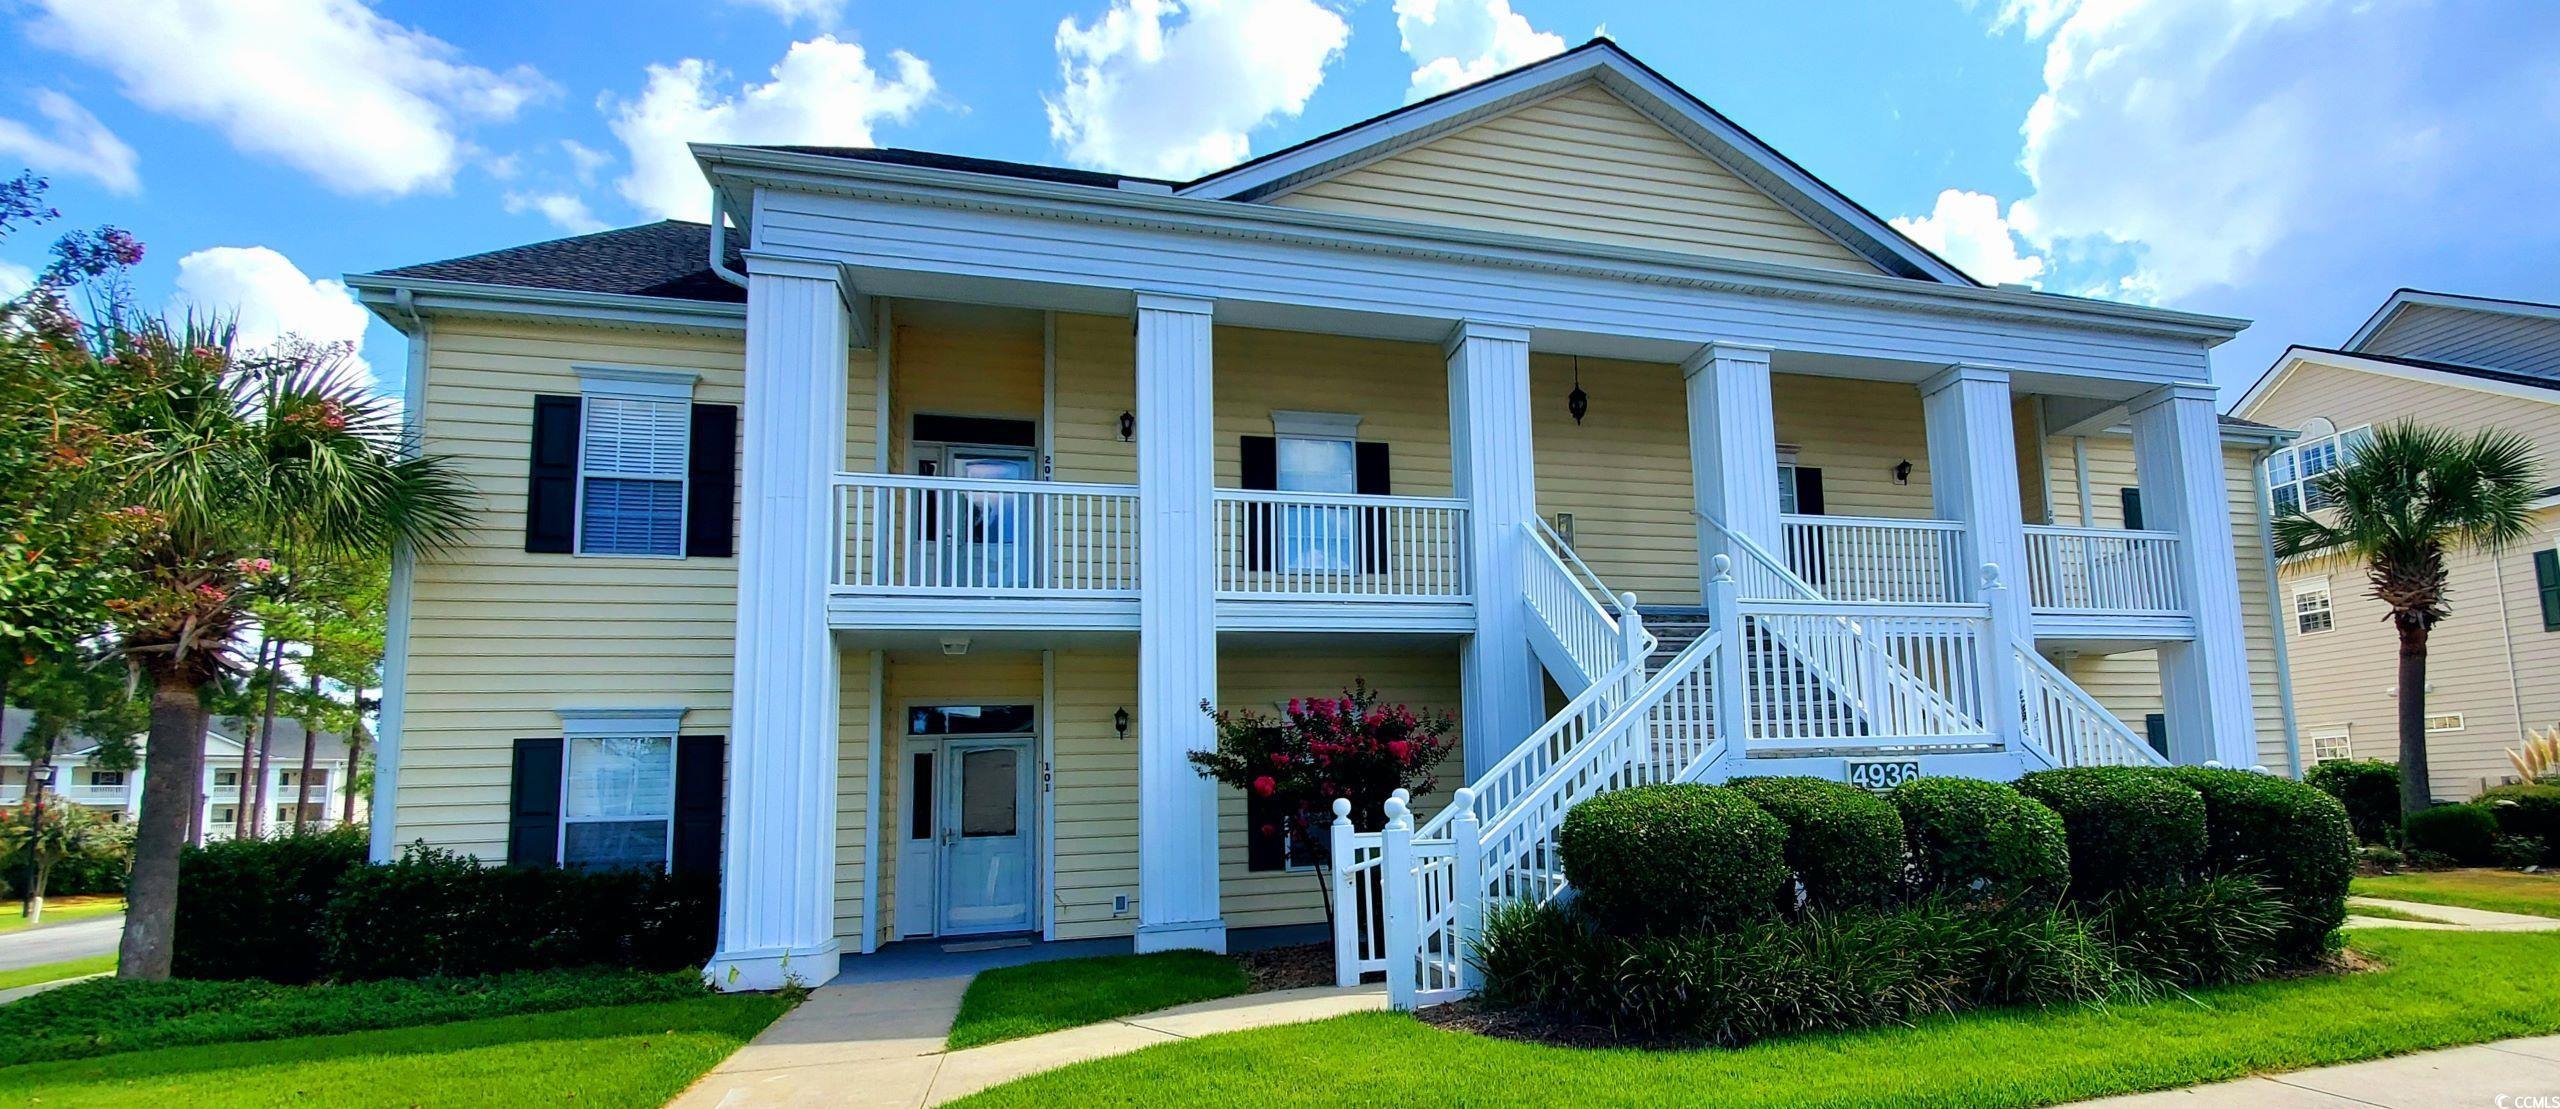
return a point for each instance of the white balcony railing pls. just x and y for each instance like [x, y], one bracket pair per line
[2103, 570]
[1873, 558]
[951, 537]
[1333, 546]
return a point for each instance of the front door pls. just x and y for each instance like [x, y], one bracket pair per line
[987, 836]
[982, 538]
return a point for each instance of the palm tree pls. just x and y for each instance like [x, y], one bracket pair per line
[227, 468]
[2403, 502]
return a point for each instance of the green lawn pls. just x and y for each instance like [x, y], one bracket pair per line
[2440, 989]
[633, 1055]
[55, 972]
[1012, 1002]
[2504, 891]
[61, 910]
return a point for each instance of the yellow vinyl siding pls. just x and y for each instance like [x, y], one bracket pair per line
[2489, 659]
[853, 801]
[960, 360]
[1400, 391]
[1096, 359]
[1586, 166]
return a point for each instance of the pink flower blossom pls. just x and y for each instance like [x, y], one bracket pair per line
[1265, 785]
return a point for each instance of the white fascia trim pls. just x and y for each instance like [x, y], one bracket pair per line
[1315, 425]
[2295, 357]
[632, 381]
[2405, 298]
[614, 723]
[462, 298]
[1375, 235]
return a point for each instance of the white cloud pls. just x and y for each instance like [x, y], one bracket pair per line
[824, 92]
[2186, 144]
[566, 209]
[1459, 42]
[1966, 228]
[78, 143]
[1145, 94]
[359, 102]
[269, 297]
[824, 13]
[585, 160]
[15, 279]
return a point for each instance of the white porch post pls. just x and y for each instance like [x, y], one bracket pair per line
[1973, 480]
[778, 861]
[1733, 453]
[1177, 629]
[1492, 470]
[2204, 683]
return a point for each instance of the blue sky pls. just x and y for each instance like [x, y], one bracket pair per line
[2290, 161]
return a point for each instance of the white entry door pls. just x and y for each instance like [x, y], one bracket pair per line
[980, 539]
[987, 836]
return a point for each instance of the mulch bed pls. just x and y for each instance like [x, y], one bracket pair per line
[1289, 968]
[1530, 1027]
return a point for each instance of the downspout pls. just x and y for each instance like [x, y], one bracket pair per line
[720, 242]
[385, 811]
[2276, 614]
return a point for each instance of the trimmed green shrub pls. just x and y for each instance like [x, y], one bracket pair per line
[2127, 829]
[1767, 978]
[2374, 858]
[1664, 858]
[1844, 843]
[2522, 810]
[2370, 790]
[2464, 833]
[436, 913]
[2289, 835]
[253, 908]
[1975, 838]
[2516, 852]
[2203, 933]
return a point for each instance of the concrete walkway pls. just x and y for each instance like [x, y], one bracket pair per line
[880, 1044]
[2514, 1073]
[2447, 918]
[55, 943]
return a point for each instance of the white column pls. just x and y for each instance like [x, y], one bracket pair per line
[1973, 480]
[1733, 452]
[778, 861]
[2204, 683]
[1177, 629]
[1492, 470]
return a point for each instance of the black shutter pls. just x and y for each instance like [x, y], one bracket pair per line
[1817, 563]
[1258, 458]
[1369, 477]
[1809, 490]
[2155, 731]
[2546, 581]
[533, 804]
[2132, 499]
[1266, 840]
[551, 485]
[711, 482]
[701, 762]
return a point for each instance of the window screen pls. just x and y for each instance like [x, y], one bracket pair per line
[617, 803]
[631, 483]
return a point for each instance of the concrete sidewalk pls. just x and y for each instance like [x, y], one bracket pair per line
[2453, 918]
[2508, 1075]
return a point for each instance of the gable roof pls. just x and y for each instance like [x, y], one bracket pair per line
[669, 258]
[2528, 386]
[2404, 298]
[1603, 62]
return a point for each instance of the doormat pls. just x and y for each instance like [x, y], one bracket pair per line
[983, 945]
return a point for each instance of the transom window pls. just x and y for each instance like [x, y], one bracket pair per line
[634, 437]
[2311, 608]
[2291, 471]
[2445, 722]
[617, 801]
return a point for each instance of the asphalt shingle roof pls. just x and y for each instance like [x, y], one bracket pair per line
[2510, 377]
[901, 156]
[663, 259]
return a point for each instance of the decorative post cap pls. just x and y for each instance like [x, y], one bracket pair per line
[1722, 565]
[1342, 808]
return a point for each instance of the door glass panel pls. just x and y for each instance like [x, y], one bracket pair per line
[988, 793]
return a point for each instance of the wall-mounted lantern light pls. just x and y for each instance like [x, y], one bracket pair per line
[1902, 472]
[1128, 426]
[1577, 402]
[1120, 722]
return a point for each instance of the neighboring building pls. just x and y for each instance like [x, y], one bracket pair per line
[117, 794]
[2493, 667]
[879, 545]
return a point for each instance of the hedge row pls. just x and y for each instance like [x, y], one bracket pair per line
[309, 908]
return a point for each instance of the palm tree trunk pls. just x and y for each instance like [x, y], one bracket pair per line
[2415, 794]
[310, 752]
[248, 760]
[173, 766]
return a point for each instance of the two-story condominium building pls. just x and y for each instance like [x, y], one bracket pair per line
[2464, 363]
[880, 544]
[79, 778]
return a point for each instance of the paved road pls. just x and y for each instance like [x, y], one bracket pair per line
[54, 943]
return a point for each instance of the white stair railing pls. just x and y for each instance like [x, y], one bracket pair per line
[1576, 612]
[2068, 727]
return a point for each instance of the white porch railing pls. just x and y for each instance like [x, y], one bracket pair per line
[927, 535]
[2103, 570]
[1576, 610]
[1330, 546]
[1874, 558]
[1821, 676]
[2069, 727]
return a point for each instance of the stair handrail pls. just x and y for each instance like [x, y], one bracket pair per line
[1520, 769]
[2040, 676]
[1618, 605]
[1691, 660]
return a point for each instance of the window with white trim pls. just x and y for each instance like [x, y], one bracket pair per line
[2312, 612]
[2291, 471]
[634, 438]
[1787, 502]
[1316, 452]
[617, 801]
[2330, 744]
[2445, 722]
